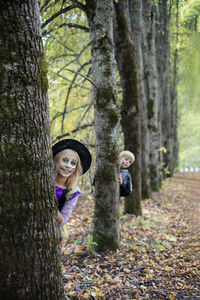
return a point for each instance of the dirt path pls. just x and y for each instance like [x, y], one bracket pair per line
[159, 256]
[190, 184]
[183, 196]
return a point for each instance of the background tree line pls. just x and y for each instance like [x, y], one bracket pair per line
[124, 56]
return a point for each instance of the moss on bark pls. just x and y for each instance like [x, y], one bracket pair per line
[41, 77]
[150, 109]
[105, 242]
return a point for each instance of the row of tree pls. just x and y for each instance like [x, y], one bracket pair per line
[135, 34]
[134, 81]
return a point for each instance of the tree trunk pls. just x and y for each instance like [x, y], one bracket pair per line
[30, 252]
[163, 52]
[106, 215]
[173, 94]
[137, 26]
[151, 87]
[131, 126]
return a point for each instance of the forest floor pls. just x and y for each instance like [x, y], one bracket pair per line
[159, 256]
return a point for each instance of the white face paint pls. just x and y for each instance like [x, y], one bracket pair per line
[70, 163]
[67, 163]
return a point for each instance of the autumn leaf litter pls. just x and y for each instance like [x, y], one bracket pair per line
[159, 257]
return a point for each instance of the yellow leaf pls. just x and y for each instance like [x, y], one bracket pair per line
[109, 277]
[132, 258]
[149, 276]
[168, 269]
[163, 149]
[95, 275]
[103, 35]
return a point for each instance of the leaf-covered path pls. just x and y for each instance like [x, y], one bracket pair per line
[160, 251]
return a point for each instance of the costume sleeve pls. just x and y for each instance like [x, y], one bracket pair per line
[66, 211]
[126, 187]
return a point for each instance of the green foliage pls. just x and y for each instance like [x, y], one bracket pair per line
[92, 245]
[188, 79]
[66, 39]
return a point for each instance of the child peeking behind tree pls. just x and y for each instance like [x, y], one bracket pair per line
[126, 158]
[71, 159]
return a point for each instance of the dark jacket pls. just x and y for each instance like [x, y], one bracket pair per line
[126, 187]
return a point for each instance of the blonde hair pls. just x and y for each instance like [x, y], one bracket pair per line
[129, 154]
[72, 180]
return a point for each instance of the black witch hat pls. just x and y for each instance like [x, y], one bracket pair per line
[77, 146]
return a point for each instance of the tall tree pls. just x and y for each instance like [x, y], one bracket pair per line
[138, 32]
[152, 90]
[106, 214]
[173, 90]
[30, 252]
[163, 64]
[131, 126]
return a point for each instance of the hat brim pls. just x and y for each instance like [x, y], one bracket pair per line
[77, 146]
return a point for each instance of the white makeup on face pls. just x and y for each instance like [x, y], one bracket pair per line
[67, 163]
[70, 163]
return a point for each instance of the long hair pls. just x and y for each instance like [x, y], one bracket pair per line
[71, 181]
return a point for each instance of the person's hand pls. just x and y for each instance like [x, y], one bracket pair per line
[120, 179]
[60, 218]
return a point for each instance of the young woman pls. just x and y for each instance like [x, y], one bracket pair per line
[71, 159]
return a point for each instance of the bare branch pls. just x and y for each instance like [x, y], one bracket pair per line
[75, 4]
[70, 25]
[73, 131]
[68, 93]
[59, 71]
[83, 77]
[68, 80]
[88, 108]
[59, 114]
[54, 58]
[44, 5]
[60, 42]
[76, 55]
[87, 76]
[79, 5]
[62, 11]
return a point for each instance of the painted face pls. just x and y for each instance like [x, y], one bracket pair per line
[67, 163]
[125, 162]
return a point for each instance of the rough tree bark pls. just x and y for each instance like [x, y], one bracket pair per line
[137, 26]
[131, 126]
[30, 252]
[151, 88]
[173, 94]
[106, 214]
[163, 64]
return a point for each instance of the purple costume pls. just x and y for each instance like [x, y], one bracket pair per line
[69, 204]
